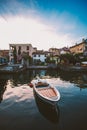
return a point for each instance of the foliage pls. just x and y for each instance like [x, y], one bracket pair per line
[50, 60]
[19, 51]
[27, 57]
[68, 58]
[30, 59]
[76, 58]
[15, 54]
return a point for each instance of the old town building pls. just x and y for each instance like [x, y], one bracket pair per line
[54, 51]
[40, 56]
[20, 49]
[79, 48]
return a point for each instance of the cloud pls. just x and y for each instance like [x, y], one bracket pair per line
[19, 29]
[21, 23]
[18, 7]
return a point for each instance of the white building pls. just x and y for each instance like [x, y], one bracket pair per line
[39, 56]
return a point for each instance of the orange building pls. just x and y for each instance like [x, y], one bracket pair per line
[79, 48]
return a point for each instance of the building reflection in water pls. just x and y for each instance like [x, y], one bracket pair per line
[51, 113]
[80, 79]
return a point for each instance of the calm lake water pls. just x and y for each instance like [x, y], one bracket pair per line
[20, 111]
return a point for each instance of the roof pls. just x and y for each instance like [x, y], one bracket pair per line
[77, 44]
[20, 44]
[40, 52]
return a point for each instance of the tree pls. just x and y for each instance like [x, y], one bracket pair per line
[27, 57]
[15, 54]
[48, 59]
[68, 58]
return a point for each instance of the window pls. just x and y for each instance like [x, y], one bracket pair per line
[19, 47]
[27, 47]
[80, 49]
[34, 55]
[19, 50]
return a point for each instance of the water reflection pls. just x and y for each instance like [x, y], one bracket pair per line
[17, 79]
[51, 113]
[2, 88]
[80, 79]
[18, 108]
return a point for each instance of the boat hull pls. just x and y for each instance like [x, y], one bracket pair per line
[50, 112]
[44, 100]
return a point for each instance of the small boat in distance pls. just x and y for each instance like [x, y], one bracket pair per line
[45, 92]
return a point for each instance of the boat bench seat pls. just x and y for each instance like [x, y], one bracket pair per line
[43, 88]
[48, 92]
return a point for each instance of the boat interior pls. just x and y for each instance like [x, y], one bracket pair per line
[48, 92]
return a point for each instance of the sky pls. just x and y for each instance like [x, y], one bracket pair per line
[42, 23]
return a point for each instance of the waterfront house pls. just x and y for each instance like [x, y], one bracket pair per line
[64, 50]
[19, 50]
[39, 57]
[80, 48]
[54, 51]
[4, 54]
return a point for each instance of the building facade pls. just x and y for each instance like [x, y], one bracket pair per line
[79, 48]
[20, 50]
[39, 57]
[54, 51]
[65, 50]
[4, 55]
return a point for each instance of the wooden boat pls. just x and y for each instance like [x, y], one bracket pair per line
[46, 92]
[50, 112]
